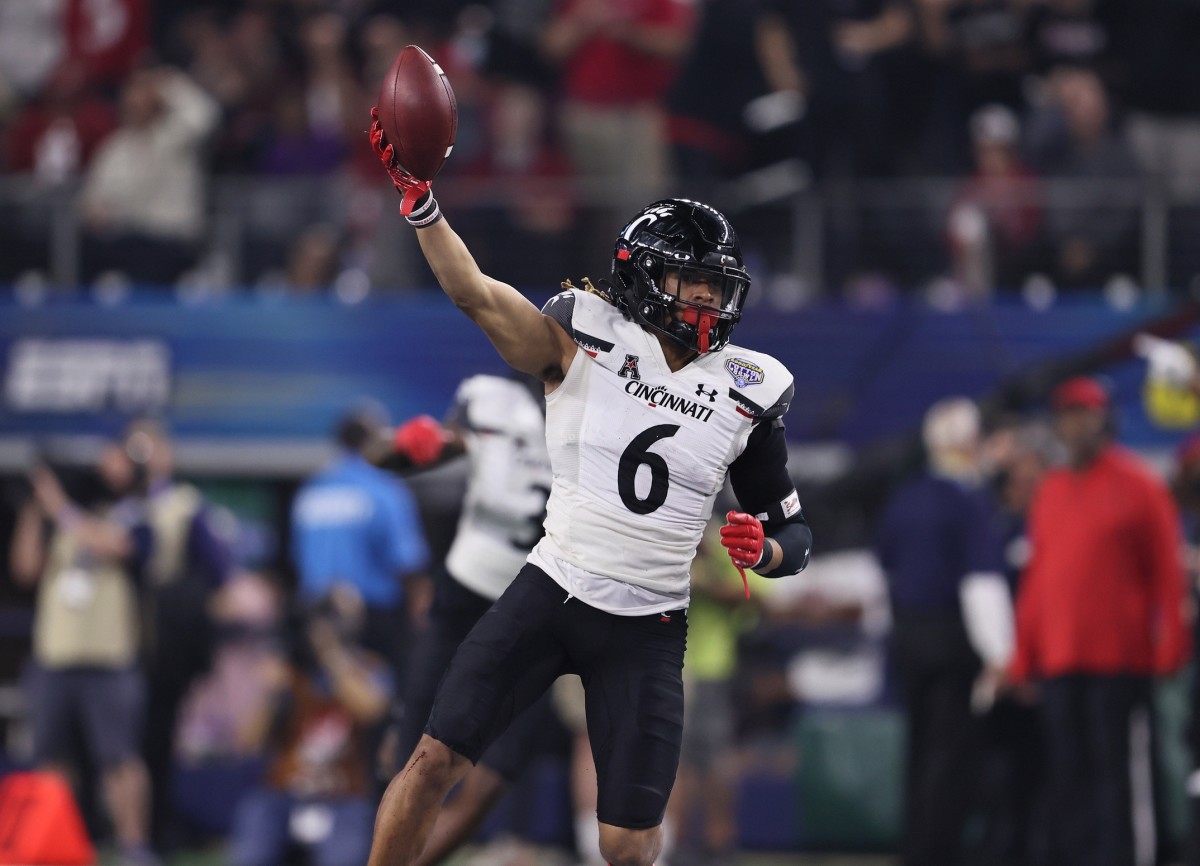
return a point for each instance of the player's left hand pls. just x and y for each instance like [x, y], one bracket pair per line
[742, 536]
[410, 188]
[421, 439]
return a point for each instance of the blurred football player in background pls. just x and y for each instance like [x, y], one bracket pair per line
[649, 408]
[500, 424]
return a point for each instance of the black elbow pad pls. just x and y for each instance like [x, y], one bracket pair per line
[794, 538]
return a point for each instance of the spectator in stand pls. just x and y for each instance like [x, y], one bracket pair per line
[296, 146]
[357, 524]
[1079, 33]
[718, 78]
[55, 136]
[1157, 42]
[85, 672]
[995, 221]
[1100, 614]
[1092, 224]
[332, 99]
[850, 70]
[109, 39]
[939, 544]
[32, 45]
[850, 66]
[241, 64]
[977, 57]
[143, 202]
[52, 138]
[618, 58]
[328, 695]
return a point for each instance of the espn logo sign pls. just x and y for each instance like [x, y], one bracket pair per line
[87, 375]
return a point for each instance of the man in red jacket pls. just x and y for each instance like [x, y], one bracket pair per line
[1100, 614]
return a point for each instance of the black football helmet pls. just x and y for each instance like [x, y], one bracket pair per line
[672, 243]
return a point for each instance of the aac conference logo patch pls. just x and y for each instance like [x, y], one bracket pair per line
[744, 372]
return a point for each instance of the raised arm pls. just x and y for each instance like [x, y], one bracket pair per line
[525, 339]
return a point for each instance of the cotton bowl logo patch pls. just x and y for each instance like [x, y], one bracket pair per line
[744, 372]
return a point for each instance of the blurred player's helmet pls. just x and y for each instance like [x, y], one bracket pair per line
[671, 243]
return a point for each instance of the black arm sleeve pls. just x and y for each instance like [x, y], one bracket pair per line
[764, 488]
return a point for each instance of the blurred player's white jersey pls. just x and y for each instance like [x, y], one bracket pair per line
[504, 428]
[639, 455]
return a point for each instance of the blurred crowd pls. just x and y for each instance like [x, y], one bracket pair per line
[1017, 600]
[1045, 117]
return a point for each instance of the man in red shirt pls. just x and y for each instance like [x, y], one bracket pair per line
[1099, 615]
[617, 59]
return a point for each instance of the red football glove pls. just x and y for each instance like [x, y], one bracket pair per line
[410, 189]
[421, 440]
[742, 536]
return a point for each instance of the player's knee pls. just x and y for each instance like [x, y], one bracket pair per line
[621, 846]
[436, 763]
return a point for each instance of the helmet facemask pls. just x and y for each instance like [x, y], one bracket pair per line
[652, 269]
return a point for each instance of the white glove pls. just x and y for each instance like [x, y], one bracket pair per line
[1170, 363]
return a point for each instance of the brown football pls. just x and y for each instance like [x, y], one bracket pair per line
[418, 113]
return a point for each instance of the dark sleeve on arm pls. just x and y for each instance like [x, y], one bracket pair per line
[764, 488]
[985, 542]
[561, 308]
[142, 538]
[208, 550]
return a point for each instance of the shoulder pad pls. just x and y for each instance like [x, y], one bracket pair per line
[587, 317]
[761, 386]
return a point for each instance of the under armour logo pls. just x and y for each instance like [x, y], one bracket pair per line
[629, 370]
[710, 393]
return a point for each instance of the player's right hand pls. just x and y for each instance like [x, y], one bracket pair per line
[411, 190]
[421, 440]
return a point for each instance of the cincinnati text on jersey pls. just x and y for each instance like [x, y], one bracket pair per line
[657, 395]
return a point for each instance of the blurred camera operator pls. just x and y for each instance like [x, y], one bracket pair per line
[85, 671]
[329, 694]
[189, 557]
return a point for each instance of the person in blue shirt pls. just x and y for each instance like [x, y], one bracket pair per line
[939, 544]
[355, 525]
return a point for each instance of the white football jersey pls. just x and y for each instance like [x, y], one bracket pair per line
[640, 453]
[504, 429]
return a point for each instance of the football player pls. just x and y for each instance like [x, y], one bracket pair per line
[649, 408]
[499, 422]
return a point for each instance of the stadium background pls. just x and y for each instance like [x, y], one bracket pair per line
[303, 291]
